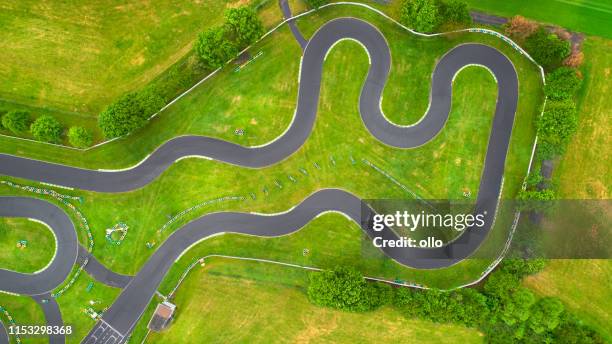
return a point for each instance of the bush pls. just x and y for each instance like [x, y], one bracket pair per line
[523, 267]
[315, 3]
[546, 48]
[129, 113]
[519, 27]
[80, 137]
[215, 48]
[344, 288]
[558, 122]
[46, 128]
[454, 11]
[562, 83]
[420, 15]
[16, 121]
[244, 24]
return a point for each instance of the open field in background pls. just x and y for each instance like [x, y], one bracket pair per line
[592, 17]
[440, 169]
[80, 57]
[39, 251]
[231, 302]
[585, 171]
[95, 52]
[583, 285]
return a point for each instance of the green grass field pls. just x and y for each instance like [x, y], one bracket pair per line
[585, 172]
[38, 252]
[455, 156]
[592, 17]
[440, 169]
[219, 304]
[24, 311]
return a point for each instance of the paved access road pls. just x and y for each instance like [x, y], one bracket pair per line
[120, 319]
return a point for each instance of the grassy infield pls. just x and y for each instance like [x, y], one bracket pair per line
[263, 120]
[39, 251]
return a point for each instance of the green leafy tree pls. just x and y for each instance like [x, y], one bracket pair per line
[558, 122]
[545, 315]
[420, 15]
[315, 3]
[547, 48]
[345, 288]
[571, 331]
[516, 308]
[16, 121]
[46, 128]
[129, 113]
[215, 48]
[79, 137]
[523, 267]
[562, 83]
[454, 11]
[244, 24]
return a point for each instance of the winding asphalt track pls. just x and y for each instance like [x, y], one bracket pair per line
[67, 246]
[120, 319]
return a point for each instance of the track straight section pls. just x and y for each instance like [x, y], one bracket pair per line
[127, 309]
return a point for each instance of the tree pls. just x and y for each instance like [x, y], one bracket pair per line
[215, 48]
[129, 113]
[500, 284]
[562, 83]
[420, 15]
[79, 137]
[546, 48]
[523, 267]
[454, 11]
[244, 24]
[315, 3]
[545, 315]
[575, 59]
[516, 308]
[558, 122]
[345, 288]
[519, 27]
[46, 128]
[16, 121]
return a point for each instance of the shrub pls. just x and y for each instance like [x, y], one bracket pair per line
[546, 48]
[215, 48]
[315, 3]
[46, 128]
[420, 15]
[558, 122]
[575, 59]
[344, 288]
[562, 83]
[79, 137]
[129, 113]
[519, 27]
[244, 24]
[454, 11]
[545, 315]
[16, 121]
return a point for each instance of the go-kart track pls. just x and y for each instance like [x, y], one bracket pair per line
[119, 320]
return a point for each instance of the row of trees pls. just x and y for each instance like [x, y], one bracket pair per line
[219, 44]
[506, 311]
[429, 15]
[214, 47]
[551, 48]
[45, 128]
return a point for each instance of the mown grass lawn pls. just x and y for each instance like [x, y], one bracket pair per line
[38, 252]
[220, 303]
[589, 16]
[585, 170]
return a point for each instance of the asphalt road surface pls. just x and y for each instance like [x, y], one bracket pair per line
[119, 320]
[66, 241]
